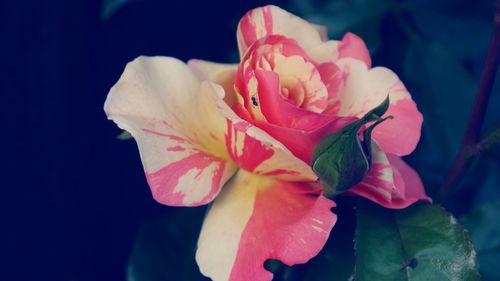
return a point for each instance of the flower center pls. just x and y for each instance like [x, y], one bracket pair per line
[300, 81]
[277, 67]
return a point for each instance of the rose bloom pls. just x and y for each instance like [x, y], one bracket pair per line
[244, 135]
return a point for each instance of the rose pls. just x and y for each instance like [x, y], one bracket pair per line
[298, 87]
[198, 137]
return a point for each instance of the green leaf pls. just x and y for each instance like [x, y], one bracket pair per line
[419, 243]
[484, 228]
[491, 140]
[124, 136]
[165, 247]
[109, 7]
[341, 159]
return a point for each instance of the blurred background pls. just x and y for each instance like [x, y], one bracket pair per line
[77, 196]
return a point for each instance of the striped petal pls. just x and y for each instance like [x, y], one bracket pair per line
[183, 154]
[351, 46]
[257, 218]
[390, 182]
[256, 151]
[219, 73]
[271, 20]
[363, 89]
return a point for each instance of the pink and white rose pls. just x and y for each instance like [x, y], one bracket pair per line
[244, 135]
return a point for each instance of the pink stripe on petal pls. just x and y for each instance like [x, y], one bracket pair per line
[247, 28]
[191, 181]
[268, 19]
[248, 152]
[169, 136]
[256, 24]
[176, 148]
[332, 78]
[279, 172]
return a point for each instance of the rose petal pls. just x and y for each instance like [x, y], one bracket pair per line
[219, 73]
[278, 111]
[302, 143]
[183, 154]
[272, 20]
[363, 89]
[303, 80]
[264, 55]
[256, 151]
[325, 52]
[351, 46]
[258, 218]
[390, 182]
[331, 75]
[414, 188]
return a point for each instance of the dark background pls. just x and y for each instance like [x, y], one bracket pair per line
[76, 196]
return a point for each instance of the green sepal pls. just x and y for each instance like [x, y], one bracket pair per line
[342, 159]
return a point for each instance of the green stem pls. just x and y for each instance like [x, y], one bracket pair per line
[469, 146]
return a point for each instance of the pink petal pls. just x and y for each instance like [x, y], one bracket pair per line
[401, 134]
[363, 89]
[414, 188]
[280, 112]
[302, 143]
[273, 52]
[256, 151]
[332, 78]
[258, 218]
[390, 182]
[183, 155]
[272, 20]
[351, 46]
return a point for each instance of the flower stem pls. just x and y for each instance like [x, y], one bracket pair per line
[470, 142]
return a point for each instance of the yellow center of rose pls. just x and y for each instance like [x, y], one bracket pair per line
[300, 83]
